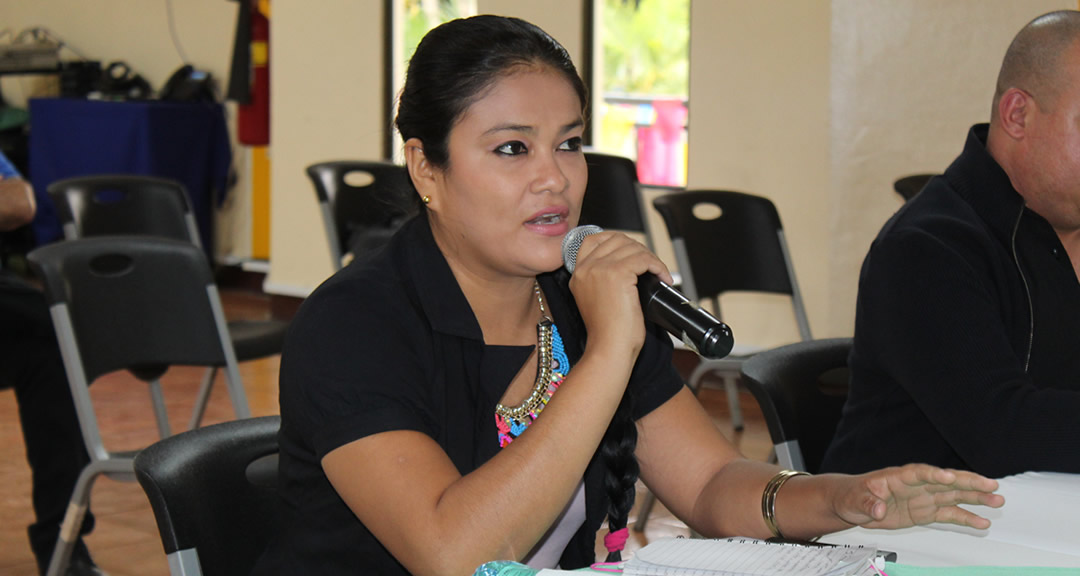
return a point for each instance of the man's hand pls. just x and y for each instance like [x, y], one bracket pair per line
[17, 205]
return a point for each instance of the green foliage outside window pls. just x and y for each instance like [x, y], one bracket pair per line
[646, 47]
[423, 15]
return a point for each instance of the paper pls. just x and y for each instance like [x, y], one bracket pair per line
[1039, 512]
[905, 570]
[747, 557]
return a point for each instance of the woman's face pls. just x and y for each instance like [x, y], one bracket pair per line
[515, 178]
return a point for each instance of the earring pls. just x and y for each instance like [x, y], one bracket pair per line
[425, 199]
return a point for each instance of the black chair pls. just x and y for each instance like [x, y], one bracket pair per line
[214, 495]
[908, 186]
[362, 203]
[613, 195]
[729, 241]
[135, 303]
[118, 204]
[801, 388]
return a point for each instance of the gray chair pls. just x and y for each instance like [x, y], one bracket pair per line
[214, 495]
[801, 388]
[123, 204]
[106, 297]
[362, 203]
[613, 195]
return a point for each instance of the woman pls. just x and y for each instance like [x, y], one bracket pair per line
[441, 405]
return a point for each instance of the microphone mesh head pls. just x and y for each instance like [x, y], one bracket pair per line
[572, 241]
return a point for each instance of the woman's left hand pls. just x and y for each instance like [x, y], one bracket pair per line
[917, 494]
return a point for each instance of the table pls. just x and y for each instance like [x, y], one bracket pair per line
[1037, 527]
[184, 141]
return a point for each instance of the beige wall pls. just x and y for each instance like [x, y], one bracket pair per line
[137, 32]
[820, 105]
[759, 118]
[817, 104]
[908, 79]
[562, 19]
[327, 105]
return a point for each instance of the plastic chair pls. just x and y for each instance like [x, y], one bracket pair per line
[105, 295]
[801, 388]
[118, 204]
[741, 249]
[362, 203]
[908, 186]
[613, 195]
[214, 495]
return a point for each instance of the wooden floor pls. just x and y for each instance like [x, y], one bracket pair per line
[125, 541]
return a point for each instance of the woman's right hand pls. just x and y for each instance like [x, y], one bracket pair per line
[604, 285]
[917, 494]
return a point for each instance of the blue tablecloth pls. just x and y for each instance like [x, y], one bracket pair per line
[185, 141]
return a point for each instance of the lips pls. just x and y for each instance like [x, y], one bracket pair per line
[549, 216]
[546, 219]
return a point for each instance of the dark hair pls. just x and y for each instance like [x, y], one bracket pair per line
[457, 61]
[451, 68]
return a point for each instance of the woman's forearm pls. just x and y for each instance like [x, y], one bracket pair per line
[805, 507]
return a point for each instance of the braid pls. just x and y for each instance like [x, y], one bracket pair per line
[617, 450]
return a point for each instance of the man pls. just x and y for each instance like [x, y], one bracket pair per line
[30, 363]
[966, 333]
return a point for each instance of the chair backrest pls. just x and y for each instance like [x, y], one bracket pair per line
[357, 198]
[121, 204]
[214, 494]
[908, 186]
[801, 388]
[613, 195]
[725, 241]
[140, 303]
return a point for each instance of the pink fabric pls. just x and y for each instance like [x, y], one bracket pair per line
[658, 145]
[616, 540]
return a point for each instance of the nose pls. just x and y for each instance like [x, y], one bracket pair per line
[550, 175]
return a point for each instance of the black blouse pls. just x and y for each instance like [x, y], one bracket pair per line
[391, 343]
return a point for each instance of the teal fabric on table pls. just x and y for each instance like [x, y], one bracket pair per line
[504, 568]
[891, 569]
[906, 570]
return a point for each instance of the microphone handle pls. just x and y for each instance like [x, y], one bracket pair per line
[696, 327]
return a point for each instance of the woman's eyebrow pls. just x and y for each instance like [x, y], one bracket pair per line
[531, 129]
[510, 128]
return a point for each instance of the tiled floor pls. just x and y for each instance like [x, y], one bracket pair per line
[125, 541]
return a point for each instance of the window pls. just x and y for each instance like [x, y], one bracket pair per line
[641, 83]
[410, 21]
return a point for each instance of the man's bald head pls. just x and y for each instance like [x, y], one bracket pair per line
[1034, 59]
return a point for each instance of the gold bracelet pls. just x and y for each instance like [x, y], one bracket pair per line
[768, 499]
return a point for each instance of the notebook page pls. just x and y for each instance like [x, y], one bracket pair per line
[744, 557]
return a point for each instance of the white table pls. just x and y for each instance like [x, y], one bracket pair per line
[1038, 526]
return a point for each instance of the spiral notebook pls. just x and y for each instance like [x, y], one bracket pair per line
[748, 557]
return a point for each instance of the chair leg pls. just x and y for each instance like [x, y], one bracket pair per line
[160, 414]
[73, 519]
[203, 398]
[643, 513]
[731, 386]
[80, 501]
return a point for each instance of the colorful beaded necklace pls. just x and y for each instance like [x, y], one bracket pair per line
[552, 364]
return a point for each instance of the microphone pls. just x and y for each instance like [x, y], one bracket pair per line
[665, 306]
